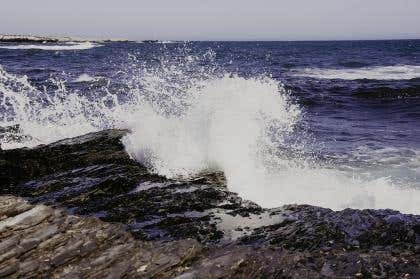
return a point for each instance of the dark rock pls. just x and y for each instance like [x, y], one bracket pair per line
[219, 234]
[92, 174]
[51, 39]
[30, 39]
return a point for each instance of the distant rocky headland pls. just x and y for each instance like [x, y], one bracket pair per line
[52, 39]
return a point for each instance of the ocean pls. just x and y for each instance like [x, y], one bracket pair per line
[329, 123]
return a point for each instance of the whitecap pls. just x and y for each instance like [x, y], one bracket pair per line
[397, 72]
[167, 42]
[85, 78]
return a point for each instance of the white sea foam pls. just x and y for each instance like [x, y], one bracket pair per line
[48, 116]
[85, 78]
[184, 122]
[235, 125]
[67, 46]
[398, 72]
[168, 42]
[228, 120]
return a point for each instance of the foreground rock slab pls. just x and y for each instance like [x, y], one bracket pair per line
[39, 241]
[197, 227]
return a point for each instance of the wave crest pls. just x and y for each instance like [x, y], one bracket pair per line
[399, 72]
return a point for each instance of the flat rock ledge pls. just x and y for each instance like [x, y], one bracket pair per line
[82, 207]
[39, 241]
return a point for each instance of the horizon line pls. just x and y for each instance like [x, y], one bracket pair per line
[93, 38]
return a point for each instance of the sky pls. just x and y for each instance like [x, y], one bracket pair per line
[214, 19]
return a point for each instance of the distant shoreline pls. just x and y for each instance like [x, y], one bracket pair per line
[52, 39]
[16, 38]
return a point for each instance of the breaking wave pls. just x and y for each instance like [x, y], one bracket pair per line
[186, 119]
[67, 46]
[399, 72]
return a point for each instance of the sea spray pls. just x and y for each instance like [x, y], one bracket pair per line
[227, 126]
[48, 116]
[237, 125]
[186, 118]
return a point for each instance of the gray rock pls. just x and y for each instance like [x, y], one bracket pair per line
[83, 246]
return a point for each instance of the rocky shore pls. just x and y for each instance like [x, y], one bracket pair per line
[51, 39]
[39, 39]
[82, 207]
[60, 39]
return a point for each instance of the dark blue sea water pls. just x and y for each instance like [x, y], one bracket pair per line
[351, 118]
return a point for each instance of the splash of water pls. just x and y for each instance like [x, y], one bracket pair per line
[185, 119]
[228, 121]
[238, 125]
[47, 116]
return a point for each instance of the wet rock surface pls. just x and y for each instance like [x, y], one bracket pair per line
[93, 180]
